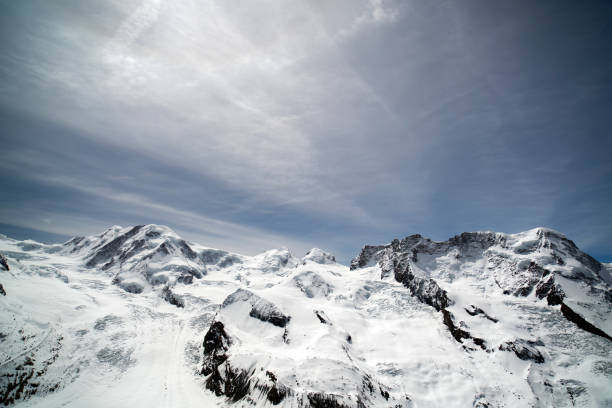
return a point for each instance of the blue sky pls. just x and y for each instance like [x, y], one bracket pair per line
[300, 124]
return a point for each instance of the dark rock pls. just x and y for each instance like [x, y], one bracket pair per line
[162, 249]
[211, 256]
[458, 333]
[4, 263]
[277, 392]
[2, 291]
[273, 317]
[481, 402]
[241, 384]
[186, 279]
[426, 290]
[473, 311]
[396, 258]
[233, 383]
[533, 276]
[237, 383]
[479, 241]
[186, 271]
[152, 234]
[271, 376]
[552, 292]
[110, 250]
[186, 250]
[136, 247]
[320, 316]
[575, 318]
[261, 309]
[74, 242]
[366, 256]
[216, 344]
[524, 349]
[320, 400]
[128, 286]
[172, 297]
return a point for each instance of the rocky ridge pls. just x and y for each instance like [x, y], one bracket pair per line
[482, 319]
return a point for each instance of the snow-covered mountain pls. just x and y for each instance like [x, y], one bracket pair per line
[140, 317]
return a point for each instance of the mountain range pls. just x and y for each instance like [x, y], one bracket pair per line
[139, 317]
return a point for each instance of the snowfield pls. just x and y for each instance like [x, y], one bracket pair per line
[139, 317]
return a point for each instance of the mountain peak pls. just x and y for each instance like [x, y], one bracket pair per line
[495, 314]
[319, 256]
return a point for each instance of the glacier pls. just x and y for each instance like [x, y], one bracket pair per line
[139, 317]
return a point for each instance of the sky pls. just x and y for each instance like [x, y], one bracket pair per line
[254, 125]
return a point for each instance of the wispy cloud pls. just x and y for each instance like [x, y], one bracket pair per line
[292, 120]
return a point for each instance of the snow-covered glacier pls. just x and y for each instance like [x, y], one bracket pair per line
[140, 317]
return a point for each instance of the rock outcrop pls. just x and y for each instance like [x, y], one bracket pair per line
[261, 309]
[525, 349]
[4, 263]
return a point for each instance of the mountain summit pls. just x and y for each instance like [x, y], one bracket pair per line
[138, 316]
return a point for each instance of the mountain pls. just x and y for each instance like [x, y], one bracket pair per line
[138, 316]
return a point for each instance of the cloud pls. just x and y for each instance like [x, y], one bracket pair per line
[237, 101]
[305, 121]
[207, 230]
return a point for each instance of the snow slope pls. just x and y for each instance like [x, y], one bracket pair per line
[138, 316]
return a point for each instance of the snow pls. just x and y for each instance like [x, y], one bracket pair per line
[101, 345]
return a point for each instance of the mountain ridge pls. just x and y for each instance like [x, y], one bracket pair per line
[482, 319]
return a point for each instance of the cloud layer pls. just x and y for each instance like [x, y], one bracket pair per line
[302, 123]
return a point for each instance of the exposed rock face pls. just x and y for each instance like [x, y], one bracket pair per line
[445, 323]
[172, 297]
[396, 258]
[524, 349]
[468, 245]
[574, 317]
[366, 255]
[459, 334]
[550, 290]
[318, 400]
[261, 309]
[522, 265]
[222, 378]
[216, 344]
[107, 252]
[232, 382]
[475, 311]
[322, 317]
[217, 257]
[247, 378]
[426, 290]
[4, 263]
[148, 256]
